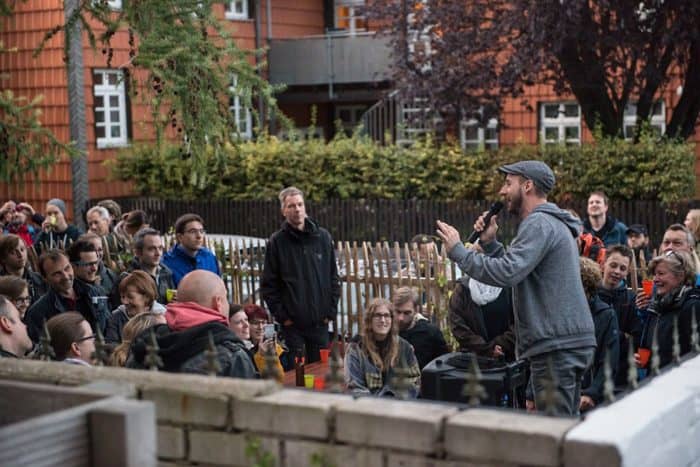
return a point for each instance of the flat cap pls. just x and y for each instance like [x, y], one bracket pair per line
[638, 229]
[537, 171]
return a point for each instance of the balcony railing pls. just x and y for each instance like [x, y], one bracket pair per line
[330, 59]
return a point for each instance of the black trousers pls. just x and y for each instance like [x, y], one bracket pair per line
[305, 342]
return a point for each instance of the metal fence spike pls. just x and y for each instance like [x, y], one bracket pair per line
[270, 371]
[153, 361]
[549, 396]
[473, 390]
[100, 356]
[655, 359]
[632, 375]
[44, 350]
[609, 384]
[335, 377]
[694, 337]
[676, 349]
[212, 356]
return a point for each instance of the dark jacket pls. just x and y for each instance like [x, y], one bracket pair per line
[185, 351]
[163, 279]
[300, 279]
[427, 341]
[612, 233]
[679, 303]
[48, 240]
[180, 263]
[90, 303]
[468, 325]
[119, 318]
[608, 344]
[622, 300]
[6, 354]
[35, 283]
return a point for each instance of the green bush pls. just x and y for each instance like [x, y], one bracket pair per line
[355, 167]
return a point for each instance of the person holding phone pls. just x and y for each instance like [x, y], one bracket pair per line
[263, 336]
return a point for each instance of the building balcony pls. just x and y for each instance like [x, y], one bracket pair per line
[330, 59]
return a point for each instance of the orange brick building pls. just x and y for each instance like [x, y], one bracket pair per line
[320, 49]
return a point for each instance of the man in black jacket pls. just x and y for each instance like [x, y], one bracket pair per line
[300, 279]
[65, 294]
[427, 340]
[148, 253]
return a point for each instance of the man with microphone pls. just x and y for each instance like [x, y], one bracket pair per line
[552, 319]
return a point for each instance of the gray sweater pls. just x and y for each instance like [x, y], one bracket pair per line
[542, 267]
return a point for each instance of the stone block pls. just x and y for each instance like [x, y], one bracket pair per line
[123, 434]
[499, 436]
[221, 448]
[415, 460]
[171, 442]
[304, 453]
[189, 407]
[385, 423]
[289, 412]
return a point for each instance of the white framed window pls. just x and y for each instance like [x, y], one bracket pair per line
[473, 136]
[237, 9]
[241, 114]
[348, 17]
[115, 4]
[560, 122]
[657, 120]
[110, 108]
[350, 116]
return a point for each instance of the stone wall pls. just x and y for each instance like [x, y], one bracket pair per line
[214, 421]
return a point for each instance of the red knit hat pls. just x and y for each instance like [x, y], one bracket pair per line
[257, 312]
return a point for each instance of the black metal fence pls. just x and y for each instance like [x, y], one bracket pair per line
[376, 219]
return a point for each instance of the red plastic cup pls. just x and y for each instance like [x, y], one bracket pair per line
[324, 355]
[644, 355]
[319, 383]
[648, 287]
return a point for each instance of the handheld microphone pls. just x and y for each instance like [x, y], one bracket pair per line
[493, 210]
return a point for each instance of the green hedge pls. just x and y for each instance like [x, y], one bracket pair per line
[355, 167]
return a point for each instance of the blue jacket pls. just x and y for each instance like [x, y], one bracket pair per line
[180, 263]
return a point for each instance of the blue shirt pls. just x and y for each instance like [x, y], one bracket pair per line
[181, 263]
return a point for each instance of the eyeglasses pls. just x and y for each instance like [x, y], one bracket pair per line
[86, 338]
[671, 253]
[195, 231]
[23, 300]
[86, 264]
[257, 323]
[382, 316]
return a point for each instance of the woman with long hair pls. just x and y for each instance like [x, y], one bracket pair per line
[373, 360]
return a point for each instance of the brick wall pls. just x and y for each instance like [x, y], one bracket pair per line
[211, 421]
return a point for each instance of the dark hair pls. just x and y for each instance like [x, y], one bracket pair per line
[140, 237]
[136, 218]
[64, 329]
[81, 246]
[112, 207]
[233, 308]
[622, 250]
[53, 255]
[12, 286]
[143, 283]
[185, 219]
[7, 244]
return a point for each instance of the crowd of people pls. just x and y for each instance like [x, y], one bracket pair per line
[564, 296]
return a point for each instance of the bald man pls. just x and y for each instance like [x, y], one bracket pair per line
[201, 311]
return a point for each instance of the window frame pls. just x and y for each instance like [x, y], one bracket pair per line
[629, 118]
[561, 122]
[236, 107]
[105, 90]
[481, 143]
[233, 15]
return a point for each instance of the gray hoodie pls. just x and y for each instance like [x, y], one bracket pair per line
[542, 267]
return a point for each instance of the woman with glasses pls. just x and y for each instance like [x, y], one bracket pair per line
[263, 342]
[17, 291]
[379, 362]
[72, 338]
[675, 297]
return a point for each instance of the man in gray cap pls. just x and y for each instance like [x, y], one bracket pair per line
[552, 318]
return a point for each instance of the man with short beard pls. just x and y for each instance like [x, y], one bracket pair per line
[427, 340]
[148, 253]
[65, 294]
[553, 323]
[601, 224]
[14, 341]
